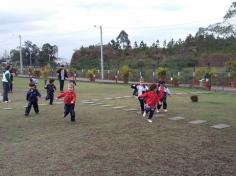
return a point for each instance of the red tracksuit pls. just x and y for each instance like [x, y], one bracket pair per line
[152, 100]
[69, 101]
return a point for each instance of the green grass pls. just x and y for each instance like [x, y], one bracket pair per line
[106, 141]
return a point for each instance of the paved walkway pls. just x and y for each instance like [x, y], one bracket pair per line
[213, 88]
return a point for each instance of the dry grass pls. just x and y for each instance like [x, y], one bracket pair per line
[106, 141]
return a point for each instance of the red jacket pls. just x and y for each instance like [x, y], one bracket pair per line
[69, 97]
[151, 97]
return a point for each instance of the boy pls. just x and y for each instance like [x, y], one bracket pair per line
[32, 98]
[50, 91]
[152, 100]
[69, 101]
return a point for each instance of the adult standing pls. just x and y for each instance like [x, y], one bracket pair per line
[62, 75]
[6, 80]
[11, 70]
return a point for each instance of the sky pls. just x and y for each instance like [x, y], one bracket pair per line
[69, 24]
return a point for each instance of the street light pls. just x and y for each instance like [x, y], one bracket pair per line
[21, 64]
[102, 74]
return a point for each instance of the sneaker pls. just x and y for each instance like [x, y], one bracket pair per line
[149, 120]
[158, 111]
[165, 110]
[144, 114]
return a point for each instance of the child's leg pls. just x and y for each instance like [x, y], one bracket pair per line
[66, 110]
[72, 112]
[151, 113]
[28, 108]
[164, 103]
[141, 104]
[159, 106]
[51, 99]
[36, 107]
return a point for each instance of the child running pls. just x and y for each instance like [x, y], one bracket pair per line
[139, 90]
[69, 101]
[32, 98]
[162, 92]
[152, 100]
[50, 91]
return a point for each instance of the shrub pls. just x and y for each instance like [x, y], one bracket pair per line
[125, 72]
[161, 73]
[45, 72]
[91, 74]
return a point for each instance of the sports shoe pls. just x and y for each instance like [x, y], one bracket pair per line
[144, 114]
[158, 111]
[165, 110]
[149, 120]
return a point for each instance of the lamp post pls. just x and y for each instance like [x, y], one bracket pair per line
[21, 64]
[30, 57]
[102, 72]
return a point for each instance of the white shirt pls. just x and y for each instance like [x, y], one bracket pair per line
[4, 79]
[141, 89]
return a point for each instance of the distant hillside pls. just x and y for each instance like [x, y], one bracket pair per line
[215, 44]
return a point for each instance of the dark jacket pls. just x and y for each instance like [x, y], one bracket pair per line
[32, 95]
[50, 88]
[59, 74]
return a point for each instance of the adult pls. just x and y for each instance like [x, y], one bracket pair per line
[11, 70]
[6, 80]
[62, 75]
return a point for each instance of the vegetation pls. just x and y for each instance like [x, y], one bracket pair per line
[125, 72]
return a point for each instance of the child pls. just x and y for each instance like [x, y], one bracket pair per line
[72, 79]
[34, 81]
[32, 98]
[50, 91]
[162, 92]
[152, 100]
[69, 101]
[139, 90]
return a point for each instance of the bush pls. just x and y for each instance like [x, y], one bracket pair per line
[91, 74]
[45, 72]
[161, 73]
[125, 73]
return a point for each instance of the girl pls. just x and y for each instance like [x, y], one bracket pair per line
[162, 92]
[69, 101]
[152, 100]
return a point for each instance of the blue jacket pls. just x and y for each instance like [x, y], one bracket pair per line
[32, 95]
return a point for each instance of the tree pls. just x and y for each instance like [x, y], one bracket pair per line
[114, 44]
[123, 40]
[135, 45]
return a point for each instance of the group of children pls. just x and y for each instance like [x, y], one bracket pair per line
[151, 98]
[69, 97]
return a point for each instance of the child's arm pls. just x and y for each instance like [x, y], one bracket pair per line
[38, 94]
[27, 96]
[74, 99]
[144, 95]
[168, 92]
[62, 94]
[54, 87]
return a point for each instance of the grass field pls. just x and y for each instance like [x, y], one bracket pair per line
[106, 141]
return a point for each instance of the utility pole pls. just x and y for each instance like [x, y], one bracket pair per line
[102, 71]
[21, 64]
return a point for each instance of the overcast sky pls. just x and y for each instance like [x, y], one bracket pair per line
[69, 24]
